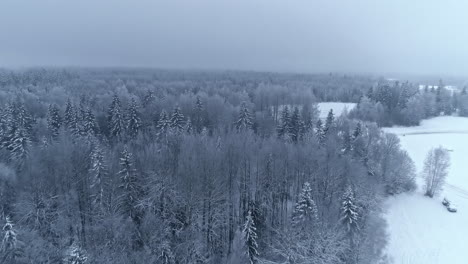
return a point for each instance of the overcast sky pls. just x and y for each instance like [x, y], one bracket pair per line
[400, 36]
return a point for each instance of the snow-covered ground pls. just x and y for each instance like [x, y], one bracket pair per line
[338, 108]
[421, 230]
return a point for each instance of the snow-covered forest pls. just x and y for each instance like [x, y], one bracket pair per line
[141, 166]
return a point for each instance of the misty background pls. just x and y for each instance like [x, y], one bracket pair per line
[365, 36]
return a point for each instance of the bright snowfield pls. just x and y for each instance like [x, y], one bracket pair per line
[421, 230]
[338, 108]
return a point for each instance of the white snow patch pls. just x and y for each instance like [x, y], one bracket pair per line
[338, 108]
[421, 229]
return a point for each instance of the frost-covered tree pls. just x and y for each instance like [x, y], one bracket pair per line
[244, 120]
[98, 172]
[130, 186]
[250, 238]
[349, 211]
[9, 241]
[115, 120]
[198, 121]
[163, 125]
[177, 120]
[89, 125]
[285, 123]
[435, 170]
[305, 214]
[54, 121]
[329, 121]
[189, 127]
[18, 135]
[133, 120]
[320, 132]
[9, 251]
[296, 126]
[75, 255]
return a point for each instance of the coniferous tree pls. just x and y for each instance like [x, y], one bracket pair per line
[199, 120]
[250, 238]
[163, 125]
[9, 246]
[54, 121]
[98, 175]
[320, 133]
[285, 123]
[296, 127]
[89, 125]
[133, 120]
[305, 213]
[115, 120]
[69, 115]
[347, 142]
[177, 120]
[19, 132]
[329, 121]
[130, 186]
[244, 121]
[349, 211]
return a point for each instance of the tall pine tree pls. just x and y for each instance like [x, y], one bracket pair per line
[115, 120]
[250, 238]
[244, 120]
[54, 121]
[133, 120]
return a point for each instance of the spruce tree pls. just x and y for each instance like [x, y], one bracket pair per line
[115, 120]
[71, 119]
[69, 115]
[9, 241]
[130, 186]
[285, 123]
[347, 142]
[9, 247]
[163, 125]
[133, 120]
[199, 118]
[177, 120]
[305, 213]
[296, 127]
[54, 121]
[98, 172]
[250, 238]
[19, 130]
[349, 211]
[244, 121]
[329, 121]
[320, 133]
[89, 125]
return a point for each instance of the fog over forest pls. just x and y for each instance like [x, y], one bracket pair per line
[362, 36]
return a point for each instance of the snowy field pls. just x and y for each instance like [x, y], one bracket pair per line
[421, 229]
[338, 108]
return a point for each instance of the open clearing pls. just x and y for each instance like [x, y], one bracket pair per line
[421, 230]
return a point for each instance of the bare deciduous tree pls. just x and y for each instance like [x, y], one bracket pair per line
[435, 170]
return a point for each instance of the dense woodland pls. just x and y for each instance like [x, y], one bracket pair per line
[145, 166]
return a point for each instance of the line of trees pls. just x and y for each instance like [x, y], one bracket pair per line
[406, 104]
[138, 174]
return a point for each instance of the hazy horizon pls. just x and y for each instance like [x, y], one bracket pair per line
[361, 37]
